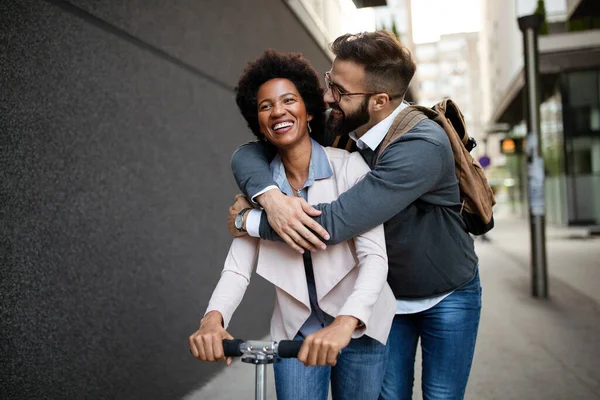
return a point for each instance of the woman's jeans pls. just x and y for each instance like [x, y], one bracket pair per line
[448, 332]
[358, 374]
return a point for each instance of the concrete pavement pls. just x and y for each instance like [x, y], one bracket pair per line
[530, 348]
[527, 348]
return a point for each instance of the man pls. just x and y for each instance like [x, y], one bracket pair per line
[413, 190]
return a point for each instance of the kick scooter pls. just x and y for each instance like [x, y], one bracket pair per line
[261, 354]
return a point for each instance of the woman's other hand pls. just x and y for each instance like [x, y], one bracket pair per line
[206, 344]
[241, 202]
[323, 346]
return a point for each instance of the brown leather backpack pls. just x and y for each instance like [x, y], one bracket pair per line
[476, 195]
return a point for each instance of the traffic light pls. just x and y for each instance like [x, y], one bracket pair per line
[512, 145]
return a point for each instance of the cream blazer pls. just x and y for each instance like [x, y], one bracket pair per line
[350, 277]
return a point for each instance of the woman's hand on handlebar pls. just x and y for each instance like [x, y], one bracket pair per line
[323, 346]
[206, 344]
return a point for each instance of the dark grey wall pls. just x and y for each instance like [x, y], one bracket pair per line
[117, 123]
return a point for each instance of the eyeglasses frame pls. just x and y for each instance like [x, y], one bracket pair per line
[337, 94]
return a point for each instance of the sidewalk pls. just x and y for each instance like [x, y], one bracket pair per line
[538, 349]
[527, 348]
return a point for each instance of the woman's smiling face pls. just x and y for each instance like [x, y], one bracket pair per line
[282, 115]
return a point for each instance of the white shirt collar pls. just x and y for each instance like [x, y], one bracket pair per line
[373, 137]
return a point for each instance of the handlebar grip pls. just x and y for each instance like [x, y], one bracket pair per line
[231, 348]
[289, 348]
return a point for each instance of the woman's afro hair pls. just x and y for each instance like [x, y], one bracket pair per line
[292, 66]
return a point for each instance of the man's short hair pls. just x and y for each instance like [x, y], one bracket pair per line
[388, 64]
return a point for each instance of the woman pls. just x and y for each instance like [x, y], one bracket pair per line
[333, 299]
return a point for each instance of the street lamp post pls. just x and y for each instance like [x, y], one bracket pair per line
[529, 26]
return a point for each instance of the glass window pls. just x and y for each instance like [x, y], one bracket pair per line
[457, 81]
[425, 51]
[428, 86]
[583, 88]
[595, 119]
[551, 129]
[583, 108]
[452, 44]
[427, 69]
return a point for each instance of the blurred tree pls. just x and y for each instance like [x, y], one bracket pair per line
[392, 29]
[395, 30]
[541, 9]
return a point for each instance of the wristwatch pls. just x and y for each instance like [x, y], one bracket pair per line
[239, 220]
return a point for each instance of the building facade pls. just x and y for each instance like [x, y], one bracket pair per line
[450, 68]
[570, 106]
[328, 19]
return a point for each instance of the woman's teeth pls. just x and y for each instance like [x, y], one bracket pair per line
[282, 125]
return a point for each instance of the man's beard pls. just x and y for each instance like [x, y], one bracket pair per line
[349, 121]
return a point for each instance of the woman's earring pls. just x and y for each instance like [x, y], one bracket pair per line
[308, 123]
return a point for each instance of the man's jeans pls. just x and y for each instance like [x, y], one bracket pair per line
[358, 374]
[448, 332]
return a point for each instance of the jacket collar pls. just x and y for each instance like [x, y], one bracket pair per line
[319, 168]
[374, 136]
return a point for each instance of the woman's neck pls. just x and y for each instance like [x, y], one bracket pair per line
[296, 161]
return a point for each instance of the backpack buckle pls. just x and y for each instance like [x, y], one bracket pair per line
[471, 144]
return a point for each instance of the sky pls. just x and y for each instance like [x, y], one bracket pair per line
[432, 18]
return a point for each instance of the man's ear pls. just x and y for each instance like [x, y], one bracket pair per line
[380, 100]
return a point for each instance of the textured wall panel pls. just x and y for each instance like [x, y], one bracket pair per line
[217, 36]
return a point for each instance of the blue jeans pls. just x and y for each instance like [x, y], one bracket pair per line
[358, 374]
[448, 332]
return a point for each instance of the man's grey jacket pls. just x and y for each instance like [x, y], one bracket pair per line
[413, 191]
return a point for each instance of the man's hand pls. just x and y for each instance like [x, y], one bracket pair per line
[323, 346]
[241, 202]
[291, 218]
[206, 344]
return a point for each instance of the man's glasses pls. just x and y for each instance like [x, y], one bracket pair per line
[338, 92]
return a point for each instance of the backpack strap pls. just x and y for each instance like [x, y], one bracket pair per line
[404, 122]
[344, 142]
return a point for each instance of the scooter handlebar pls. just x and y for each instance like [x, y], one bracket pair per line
[232, 348]
[289, 348]
[239, 347]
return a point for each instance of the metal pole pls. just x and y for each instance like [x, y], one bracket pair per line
[520, 161]
[530, 25]
[261, 378]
